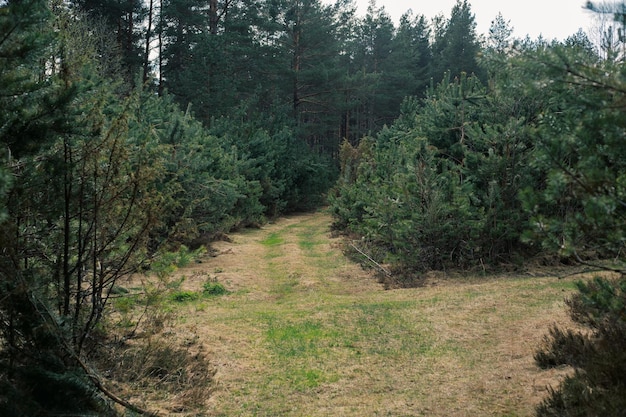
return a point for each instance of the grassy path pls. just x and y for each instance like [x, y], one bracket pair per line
[306, 333]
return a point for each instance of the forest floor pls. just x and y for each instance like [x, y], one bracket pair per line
[304, 331]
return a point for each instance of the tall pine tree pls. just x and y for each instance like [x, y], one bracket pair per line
[456, 45]
[126, 20]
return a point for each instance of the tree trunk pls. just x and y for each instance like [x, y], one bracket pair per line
[213, 17]
[146, 58]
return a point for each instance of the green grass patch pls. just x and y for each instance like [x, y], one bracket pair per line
[285, 286]
[299, 349]
[306, 338]
[388, 329]
[273, 239]
[310, 237]
[308, 240]
[305, 379]
[273, 244]
[210, 288]
[125, 304]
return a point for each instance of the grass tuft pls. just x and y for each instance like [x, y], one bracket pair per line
[213, 288]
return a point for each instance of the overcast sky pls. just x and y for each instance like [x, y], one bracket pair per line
[550, 18]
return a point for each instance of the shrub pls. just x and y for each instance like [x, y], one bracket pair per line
[597, 353]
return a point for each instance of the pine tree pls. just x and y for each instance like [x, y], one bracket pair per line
[126, 20]
[308, 49]
[409, 64]
[597, 352]
[79, 212]
[610, 28]
[32, 103]
[456, 45]
[30, 95]
[376, 33]
[580, 209]
[25, 93]
[579, 214]
[183, 26]
[500, 31]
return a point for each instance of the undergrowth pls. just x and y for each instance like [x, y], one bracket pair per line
[142, 354]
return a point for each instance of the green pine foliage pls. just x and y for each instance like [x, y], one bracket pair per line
[439, 188]
[206, 192]
[103, 177]
[122, 23]
[456, 47]
[579, 209]
[578, 213]
[524, 165]
[407, 70]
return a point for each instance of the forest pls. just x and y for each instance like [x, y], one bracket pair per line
[134, 129]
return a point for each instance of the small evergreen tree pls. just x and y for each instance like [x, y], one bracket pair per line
[36, 373]
[597, 353]
[79, 211]
[125, 20]
[579, 209]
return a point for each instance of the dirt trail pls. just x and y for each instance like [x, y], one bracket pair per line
[305, 332]
[256, 260]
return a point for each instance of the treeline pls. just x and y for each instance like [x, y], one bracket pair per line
[102, 174]
[334, 75]
[487, 173]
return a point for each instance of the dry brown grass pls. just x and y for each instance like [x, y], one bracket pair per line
[305, 332]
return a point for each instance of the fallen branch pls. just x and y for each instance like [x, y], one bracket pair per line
[48, 317]
[386, 272]
[620, 271]
[104, 390]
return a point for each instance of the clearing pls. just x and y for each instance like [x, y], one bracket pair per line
[305, 332]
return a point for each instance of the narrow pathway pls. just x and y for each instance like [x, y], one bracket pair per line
[294, 250]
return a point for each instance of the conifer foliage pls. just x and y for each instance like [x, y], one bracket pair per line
[597, 353]
[99, 177]
[439, 188]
